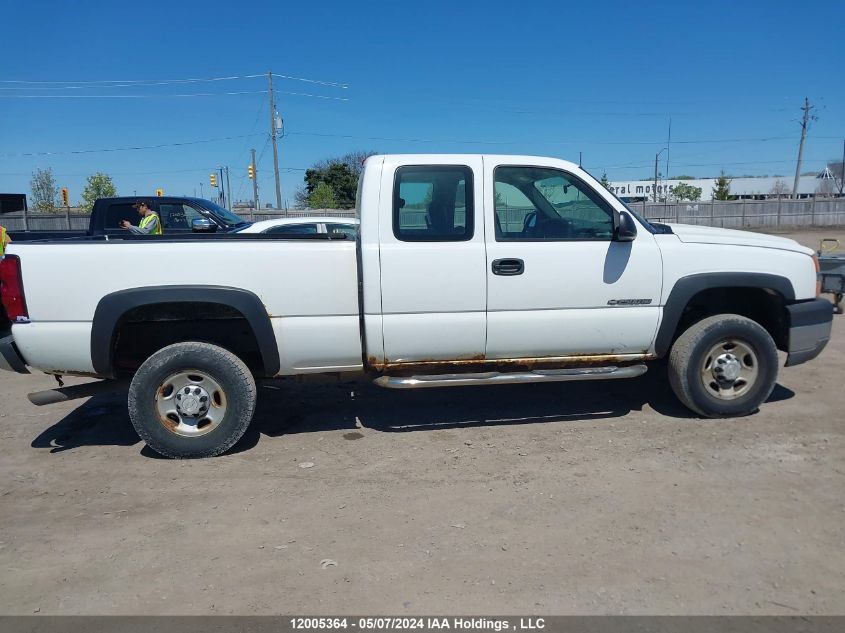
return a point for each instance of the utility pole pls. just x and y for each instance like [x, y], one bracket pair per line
[804, 124]
[668, 149]
[654, 189]
[201, 193]
[221, 197]
[842, 178]
[273, 139]
[656, 159]
[228, 188]
[254, 181]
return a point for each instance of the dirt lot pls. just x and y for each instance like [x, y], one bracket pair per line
[539, 499]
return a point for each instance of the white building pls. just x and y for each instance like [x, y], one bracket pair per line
[763, 187]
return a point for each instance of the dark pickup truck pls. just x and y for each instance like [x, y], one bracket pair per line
[178, 215]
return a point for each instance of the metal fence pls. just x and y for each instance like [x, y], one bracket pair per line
[748, 214]
[271, 214]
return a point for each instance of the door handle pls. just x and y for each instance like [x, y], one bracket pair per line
[508, 267]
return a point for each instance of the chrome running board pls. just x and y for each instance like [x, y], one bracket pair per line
[505, 378]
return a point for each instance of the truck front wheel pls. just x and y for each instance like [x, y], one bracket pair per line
[723, 366]
[192, 400]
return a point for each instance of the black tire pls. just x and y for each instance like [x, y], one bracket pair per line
[235, 389]
[692, 354]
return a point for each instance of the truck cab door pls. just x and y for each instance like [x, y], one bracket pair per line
[560, 284]
[432, 260]
[177, 217]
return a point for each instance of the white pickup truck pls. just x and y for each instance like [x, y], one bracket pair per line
[467, 270]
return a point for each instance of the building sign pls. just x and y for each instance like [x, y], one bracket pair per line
[645, 188]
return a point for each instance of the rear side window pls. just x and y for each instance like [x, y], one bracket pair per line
[116, 213]
[293, 229]
[433, 203]
[349, 230]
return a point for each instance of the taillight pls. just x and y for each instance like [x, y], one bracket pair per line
[818, 276]
[11, 289]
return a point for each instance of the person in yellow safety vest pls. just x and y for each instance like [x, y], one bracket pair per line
[150, 223]
[4, 239]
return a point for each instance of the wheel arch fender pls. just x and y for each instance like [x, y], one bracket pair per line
[112, 307]
[687, 287]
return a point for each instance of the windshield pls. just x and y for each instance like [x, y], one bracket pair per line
[224, 214]
[648, 225]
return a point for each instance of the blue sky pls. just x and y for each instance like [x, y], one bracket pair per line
[549, 78]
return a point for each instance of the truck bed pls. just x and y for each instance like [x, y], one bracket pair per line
[307, 286]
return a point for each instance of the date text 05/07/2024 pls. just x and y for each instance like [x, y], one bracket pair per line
[418, 623]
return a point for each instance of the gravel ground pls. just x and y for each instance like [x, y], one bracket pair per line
[585, 498]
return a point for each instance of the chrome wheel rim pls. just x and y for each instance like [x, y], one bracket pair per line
[729, 369]
[190, 403]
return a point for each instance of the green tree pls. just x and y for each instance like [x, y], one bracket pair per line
[98, 185]
[342, 181]
[355, 160]
[323, 197]
[722, 190]
[341, 173]
[604, 181]
[45, 193]
[683, 191]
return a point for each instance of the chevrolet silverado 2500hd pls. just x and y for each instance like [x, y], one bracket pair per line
[467, 270]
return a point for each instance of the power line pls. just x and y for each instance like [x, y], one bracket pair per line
[95, 82]
[130, 148]
[166, 96]
[252, 129]
[753, 162]
[307, 94]
[120, 83]
[333, 84]
[151, 96]
[120, 173]
[499, 142]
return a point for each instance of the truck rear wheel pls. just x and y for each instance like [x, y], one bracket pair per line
[723, 366]
[192, 400]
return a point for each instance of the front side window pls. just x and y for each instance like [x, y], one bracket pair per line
[177, 216]
[540, 203]
[433, 203]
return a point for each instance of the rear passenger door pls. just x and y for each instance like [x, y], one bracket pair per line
[432, 252]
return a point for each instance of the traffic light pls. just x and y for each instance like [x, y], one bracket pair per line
[213, 178]
[251, 171]
[65, 200]
[159, 192]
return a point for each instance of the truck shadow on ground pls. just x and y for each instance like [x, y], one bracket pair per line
[285, 408]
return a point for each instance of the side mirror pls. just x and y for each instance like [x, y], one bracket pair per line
[626, 228]
[203, 225]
